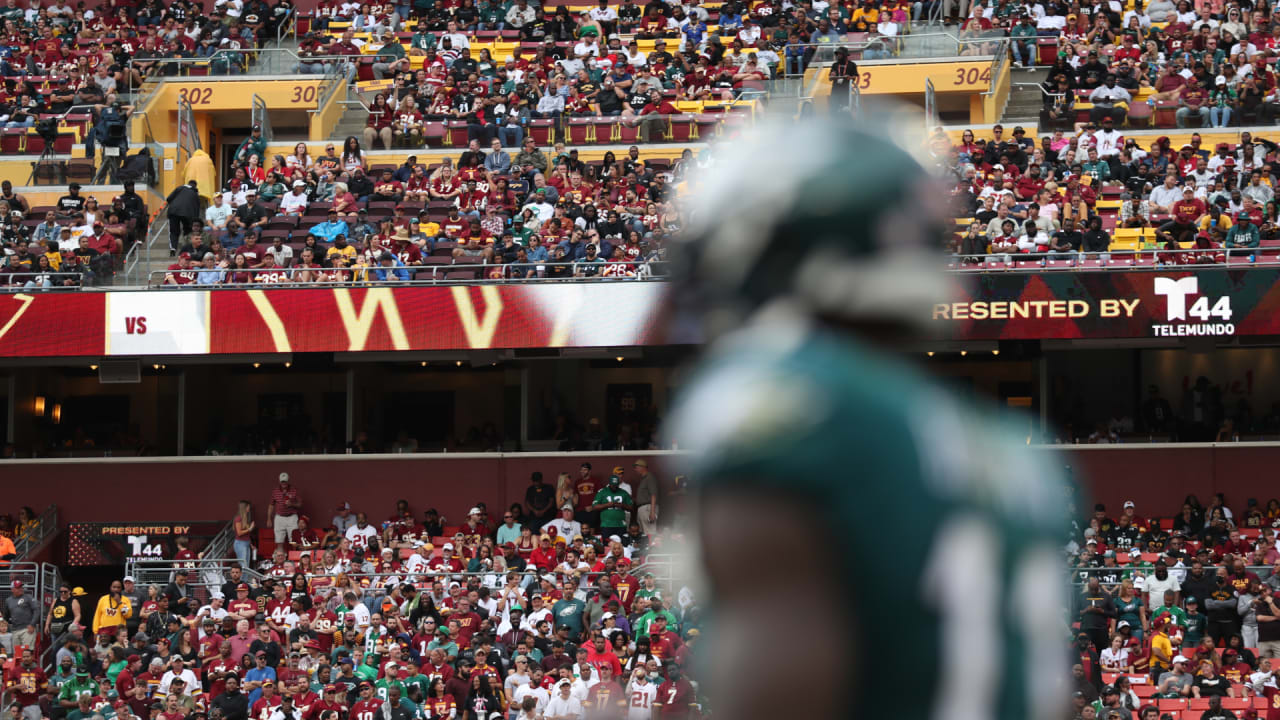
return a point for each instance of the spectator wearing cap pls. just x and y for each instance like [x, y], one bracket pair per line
[255, 144]
[286, 504]
[1243, 238]
[295, 201]
[1193, 101]
[390, 269]
[259, 675]
[1107, 99]
[231, 703]
[178, 671]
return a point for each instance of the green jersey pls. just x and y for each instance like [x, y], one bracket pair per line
[808, 414]
[75, 688]
[1196, 623]
[643, 622]
[417, 680]
[1175, 614]
[1136, 570]
[612, 517]
[367, 673]
[380, 688]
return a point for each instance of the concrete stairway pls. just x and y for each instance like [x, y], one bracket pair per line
[1025, 98]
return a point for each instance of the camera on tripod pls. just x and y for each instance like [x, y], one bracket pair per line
[47, 129]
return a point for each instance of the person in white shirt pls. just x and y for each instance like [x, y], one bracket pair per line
[1116, 657]
[565, 526]
[538, 612]
[177, 670]
[460, 39]
[361, 533]
[295, 202]
[587, 47]
[356, 609]
[1104, 99]
[1164, 196]
[532, 689]
[605, 15]
[1108, 140]
[217, 215]
[564, 706]
[1032, 238]
[1051, 22]
[214, 610]
[1157, 583]
[640, 696]
[417, 563]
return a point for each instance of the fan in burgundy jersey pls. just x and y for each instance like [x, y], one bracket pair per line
[181, 272]
[367, 707]
[675, 696]
[409, 254]
[271, 274]
[606, 699]
[332, 701]
[221, 668]
[266, 704]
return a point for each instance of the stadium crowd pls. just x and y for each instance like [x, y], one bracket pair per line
[334, 219]
[1177, 617]
[541, 613]
[1073, 195]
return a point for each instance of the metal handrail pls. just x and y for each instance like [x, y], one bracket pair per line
[644, 272]
[333, 81]
[208, 571]
[1111, 260]
[999, 59]
[45, 528]
[1078, 579]
[288, 28]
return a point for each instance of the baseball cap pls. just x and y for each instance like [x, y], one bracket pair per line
[1129, 504]
[447, 546]
[17, 584]
[129, 578]
[1192, 599]
[284, 476]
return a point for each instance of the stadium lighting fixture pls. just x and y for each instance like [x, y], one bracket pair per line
[155, 366]
[57, 413]
[39, 405]
[424, 363]
[930, 353]
[458, 363]
[257, 365]
[93, 367]
[995, 352]
[619, 358]
[963, 353]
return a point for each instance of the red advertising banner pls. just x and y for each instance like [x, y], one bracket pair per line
[50, 325]
[186, 322]
[991, 306]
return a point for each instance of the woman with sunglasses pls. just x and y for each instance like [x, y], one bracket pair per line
[64, 611]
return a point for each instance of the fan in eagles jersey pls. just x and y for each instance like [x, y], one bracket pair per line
[801, 421]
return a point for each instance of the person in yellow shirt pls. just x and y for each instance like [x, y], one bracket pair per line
[1161, 650]
[114, 609]
[343, 248]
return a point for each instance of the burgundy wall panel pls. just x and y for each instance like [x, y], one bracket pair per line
[1157, 477]
[208, 488]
